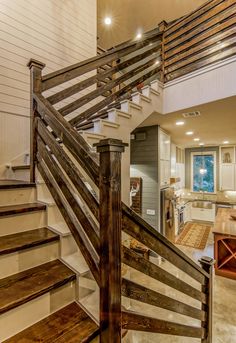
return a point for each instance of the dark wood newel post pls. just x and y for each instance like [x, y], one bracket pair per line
[110, 237]
[36, 68]
[207, 264]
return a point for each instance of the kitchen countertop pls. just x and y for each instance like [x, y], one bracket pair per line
[184, 201]
[224, 225]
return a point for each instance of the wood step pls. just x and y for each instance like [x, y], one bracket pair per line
[25, 240]
[68, 325]
[12, 184]
[22, 287]
[20, 167]
[22, 208]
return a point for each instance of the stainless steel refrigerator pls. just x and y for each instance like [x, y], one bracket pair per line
[167, 213]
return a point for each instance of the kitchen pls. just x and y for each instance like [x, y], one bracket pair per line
[188, 169]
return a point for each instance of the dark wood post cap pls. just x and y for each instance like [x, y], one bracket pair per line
[207, 261]
[162, 25]
[110, 144]
[34, 63]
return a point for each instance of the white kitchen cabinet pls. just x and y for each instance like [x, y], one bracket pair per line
[173, 160]
[187, 212]
[228, 168]
[164, 159]
[180, 172]
[164, 141]
[203, 214]
[164, 173]
[227, 177]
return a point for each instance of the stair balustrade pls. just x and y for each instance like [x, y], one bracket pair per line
[95, 214]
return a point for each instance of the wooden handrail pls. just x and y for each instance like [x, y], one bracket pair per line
[59, 96]
[69, 167]
[135, 261]
[146, 295]
[70, 219]
[56, 78]
[190, 17]
[69, 136]
[138, 228]
[88, 113]
[224, 12]
[190, 43]
[107, 87]
[66, 189]
[139, 322]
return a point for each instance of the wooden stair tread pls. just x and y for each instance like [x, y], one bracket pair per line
[19, 288]
[22, 208]
[11, 184]
[70, 324]
[20, 167]
[24, 240]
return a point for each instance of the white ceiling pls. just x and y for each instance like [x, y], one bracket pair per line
[217, 123]
[128, 16]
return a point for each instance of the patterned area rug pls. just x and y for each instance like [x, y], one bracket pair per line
[194, 235]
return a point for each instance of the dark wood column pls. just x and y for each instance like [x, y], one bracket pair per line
[36, 68]
[207, 264]
[110, 237]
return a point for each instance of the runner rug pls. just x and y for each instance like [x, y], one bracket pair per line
[194, 235]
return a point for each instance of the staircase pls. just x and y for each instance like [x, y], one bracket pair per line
[66, 234]
[38, 290]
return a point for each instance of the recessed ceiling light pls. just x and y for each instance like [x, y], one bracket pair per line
[107, 20]
[139, 35]
[226, 142]
[196, 139]
[157, 62]
[179, 123]
[201, 143]
[189, 133]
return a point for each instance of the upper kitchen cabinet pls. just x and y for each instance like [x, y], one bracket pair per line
[177, 165]
[164, 158]
[228, 168]
[164, 140]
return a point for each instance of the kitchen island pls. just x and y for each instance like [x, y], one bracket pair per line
[225, 243]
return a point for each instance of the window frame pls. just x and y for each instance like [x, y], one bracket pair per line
[208, 152]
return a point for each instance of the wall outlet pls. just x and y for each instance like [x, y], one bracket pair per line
[151, 212]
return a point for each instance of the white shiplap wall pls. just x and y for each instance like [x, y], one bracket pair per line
[56, 32]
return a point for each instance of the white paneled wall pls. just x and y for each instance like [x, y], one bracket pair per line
[56, 32]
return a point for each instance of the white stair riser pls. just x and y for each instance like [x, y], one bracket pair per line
[155, 85]
[33, 311]
[23, 174]
[22, 222]
[91, 303]
[56, 221]
[43, 193]
[68, 245]
[25, 259]
[17, 196]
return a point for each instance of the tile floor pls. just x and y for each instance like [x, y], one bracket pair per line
[224, 307]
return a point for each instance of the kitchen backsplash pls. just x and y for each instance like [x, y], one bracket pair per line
[221, 196]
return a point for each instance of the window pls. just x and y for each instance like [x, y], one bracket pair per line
[203, 175]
